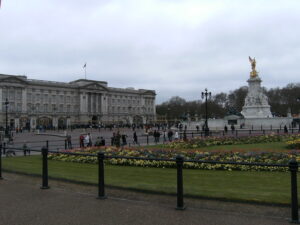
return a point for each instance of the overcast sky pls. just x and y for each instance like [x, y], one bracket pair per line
[176, 47]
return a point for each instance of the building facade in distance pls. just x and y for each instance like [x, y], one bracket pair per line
[35, 103]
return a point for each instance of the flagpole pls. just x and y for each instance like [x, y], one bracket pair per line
[84, 66]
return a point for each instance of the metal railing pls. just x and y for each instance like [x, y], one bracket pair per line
[179, 160]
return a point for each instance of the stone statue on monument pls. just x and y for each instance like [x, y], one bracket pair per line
[253, 73]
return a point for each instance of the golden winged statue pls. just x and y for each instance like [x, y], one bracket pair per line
[253, 73]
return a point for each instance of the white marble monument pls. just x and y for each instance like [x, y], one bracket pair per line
[256, 102]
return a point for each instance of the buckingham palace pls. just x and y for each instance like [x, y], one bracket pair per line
[31, 103]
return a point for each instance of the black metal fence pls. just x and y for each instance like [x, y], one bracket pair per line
[149, 139]
[179, 160]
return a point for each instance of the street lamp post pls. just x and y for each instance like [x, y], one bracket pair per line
[206, 95]
[168, 116]
[6, 117]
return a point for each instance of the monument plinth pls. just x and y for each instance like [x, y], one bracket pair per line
[256, 102]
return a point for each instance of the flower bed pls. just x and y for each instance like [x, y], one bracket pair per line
[293, 144]
[249, 157]
[214, 141]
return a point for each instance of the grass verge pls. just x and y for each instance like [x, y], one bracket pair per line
[260, 187]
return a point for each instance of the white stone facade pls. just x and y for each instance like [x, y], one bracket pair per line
[45, 103]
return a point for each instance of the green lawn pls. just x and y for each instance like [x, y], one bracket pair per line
[270, 187]
[272, 146]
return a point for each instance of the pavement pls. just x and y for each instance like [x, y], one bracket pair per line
[24, 203]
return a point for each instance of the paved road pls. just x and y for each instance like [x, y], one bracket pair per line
[57, 138]
[23, 203]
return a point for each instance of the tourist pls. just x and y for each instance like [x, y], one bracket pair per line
[232, 128]
[69, 141]
[285, 129]
[81, 141]
[26, 149]
[113, 138]
[170, 135]
[135, 138]
[124, 140]
[165, 135]
[102, 141]
[97, 142]
[176, 136]
[184, 135]
[117, 139]
[225, 129]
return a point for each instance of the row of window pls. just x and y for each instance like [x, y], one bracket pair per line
[113, 109]
[35, 108]
[50, 98]
[11, 94]
[123, 101]
[51, 91]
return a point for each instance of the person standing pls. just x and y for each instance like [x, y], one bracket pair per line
[69, 141]
[135, 138]
[232, 128]
[81, 141]
[225, 129]
[176, 136]
[170, 135]
[102, 141]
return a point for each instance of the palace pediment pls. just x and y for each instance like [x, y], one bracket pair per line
[94, 86]
[13, 80]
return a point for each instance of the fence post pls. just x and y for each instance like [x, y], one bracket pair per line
[45, 168]
[65, 144]
[249, 132]
[101, 190]
[4, 148]
[147, 139]
[236, 133]
[293, 167]
[192, 134]
[1, 161]
[179, 164]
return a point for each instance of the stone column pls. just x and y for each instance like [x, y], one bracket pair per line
[1, 100]
[55, 122]
[32, 122]
[83, 102]
[97, 103]
[17, 123]
[68, 122]
[24, 100]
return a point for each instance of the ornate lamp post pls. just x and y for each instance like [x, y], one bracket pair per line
[6, 117]
[168, 116]
[206, 95]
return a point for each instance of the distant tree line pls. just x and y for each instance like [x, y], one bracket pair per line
[222, 104]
